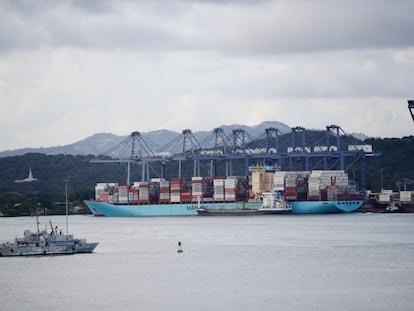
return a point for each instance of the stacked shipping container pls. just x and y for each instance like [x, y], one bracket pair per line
[201, 188]
[235, 189]
[295, 186]
[328, 185]
[175, 190]
[161, 191]
[218, 185]
[164, 191]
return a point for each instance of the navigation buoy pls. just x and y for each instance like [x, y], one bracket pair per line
[180, 248]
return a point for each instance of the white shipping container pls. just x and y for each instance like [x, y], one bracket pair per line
[316, 174]
[175, 199]
[365, 148]
[164, 195]
[405, 196]
[157, 180]
[165, 184]
[230, 182]
[384, 197]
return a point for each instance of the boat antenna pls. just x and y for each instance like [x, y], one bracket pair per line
[37, 220]
[66, 200]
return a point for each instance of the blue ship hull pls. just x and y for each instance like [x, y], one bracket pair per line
[325, 207]
[303, 207]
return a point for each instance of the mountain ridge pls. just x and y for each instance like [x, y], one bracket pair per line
[99, 143]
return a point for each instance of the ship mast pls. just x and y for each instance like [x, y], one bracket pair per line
[37, 221]
[66, 200]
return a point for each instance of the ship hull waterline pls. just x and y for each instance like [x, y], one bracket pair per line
[98, 208]
[42, 251]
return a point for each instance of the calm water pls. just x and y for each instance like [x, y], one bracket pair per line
[290, 262]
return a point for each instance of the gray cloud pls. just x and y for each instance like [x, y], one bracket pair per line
[119, 66]
[266, 28]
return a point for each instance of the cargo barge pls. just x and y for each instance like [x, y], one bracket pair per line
[305, 191]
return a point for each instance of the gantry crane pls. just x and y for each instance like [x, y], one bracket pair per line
[134, 148]
[298, 150]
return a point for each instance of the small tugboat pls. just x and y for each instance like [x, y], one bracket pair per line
[274, 203]
[45, 243]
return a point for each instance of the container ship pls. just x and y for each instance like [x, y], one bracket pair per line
[305, 191]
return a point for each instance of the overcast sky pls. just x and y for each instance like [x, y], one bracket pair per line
[70, 69]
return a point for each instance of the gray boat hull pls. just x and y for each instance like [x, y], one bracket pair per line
[42, 243]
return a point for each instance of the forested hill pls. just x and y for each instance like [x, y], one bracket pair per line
[396, 164]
